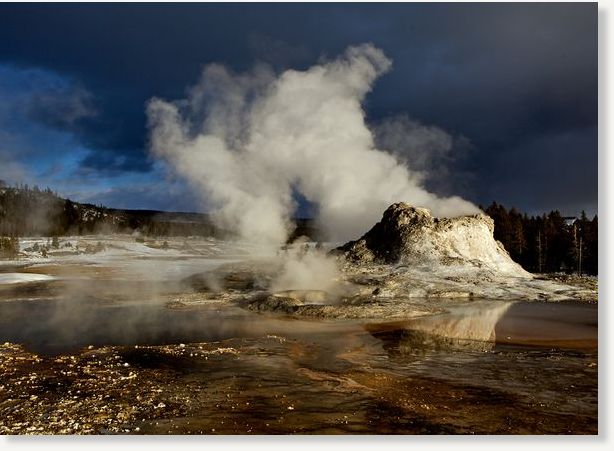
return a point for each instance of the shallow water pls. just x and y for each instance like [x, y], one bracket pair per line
[484, 367]
[53, 327]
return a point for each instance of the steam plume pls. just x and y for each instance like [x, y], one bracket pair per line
[247, 141]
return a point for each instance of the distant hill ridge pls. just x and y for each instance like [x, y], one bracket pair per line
[26, 211]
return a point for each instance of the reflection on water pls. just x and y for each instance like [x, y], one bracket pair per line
[484, 324]
[485, 367]
[475, 321]
[471, 326]
[544, 354]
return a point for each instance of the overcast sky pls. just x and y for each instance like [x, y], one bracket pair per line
[515, 85]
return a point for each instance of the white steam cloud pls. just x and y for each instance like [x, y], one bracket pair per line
[307, 271]
[246, 142]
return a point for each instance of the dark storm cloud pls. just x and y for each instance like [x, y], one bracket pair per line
[60, 109]
[519, 81]
[539, 170]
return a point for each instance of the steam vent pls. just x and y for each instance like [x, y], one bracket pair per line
[412, 236]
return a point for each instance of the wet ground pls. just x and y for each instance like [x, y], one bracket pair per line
[126, 367]
[117, 344]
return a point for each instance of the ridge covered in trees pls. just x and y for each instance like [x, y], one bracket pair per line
[26, 211]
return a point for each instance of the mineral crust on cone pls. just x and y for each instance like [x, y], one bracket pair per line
[412, 236]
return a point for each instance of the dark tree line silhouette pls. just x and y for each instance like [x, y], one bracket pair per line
[547, 243]
[26, 211]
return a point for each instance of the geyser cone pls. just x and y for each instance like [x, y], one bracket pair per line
[411, 235]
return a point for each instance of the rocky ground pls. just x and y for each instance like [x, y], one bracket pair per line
[409, 266]
[275, 385]
[589, 283]
[381, 291]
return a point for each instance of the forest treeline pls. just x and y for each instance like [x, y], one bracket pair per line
[31, 211]
[546, 243]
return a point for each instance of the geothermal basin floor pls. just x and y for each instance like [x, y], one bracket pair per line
[91, 357]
